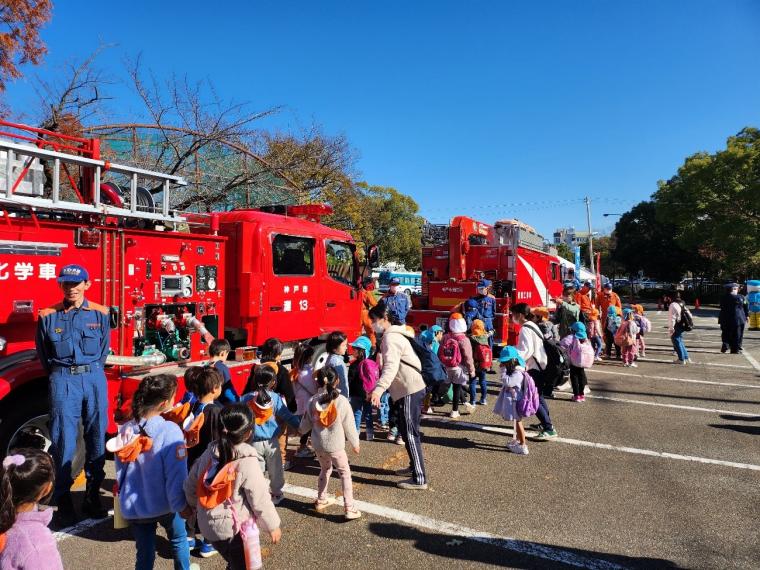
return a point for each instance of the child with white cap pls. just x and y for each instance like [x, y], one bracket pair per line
[455, 354]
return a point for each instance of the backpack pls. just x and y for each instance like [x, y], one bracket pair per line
[581, 354]
[432, 371]
[369, 373]
[646, 324]
[449, 353]
[484, 356]
[686, 322]
[623, 337]
[527, 405]
[557, 361]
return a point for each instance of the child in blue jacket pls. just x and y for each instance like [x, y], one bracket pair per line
[268, 407]
[151, 466]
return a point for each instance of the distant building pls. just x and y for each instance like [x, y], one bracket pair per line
[570, 236]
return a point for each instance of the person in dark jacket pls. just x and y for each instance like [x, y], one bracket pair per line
[734, 312]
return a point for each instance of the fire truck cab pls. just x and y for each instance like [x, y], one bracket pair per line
[172, 281]
[509, 253]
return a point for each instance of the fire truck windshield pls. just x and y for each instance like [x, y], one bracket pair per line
[341, 262]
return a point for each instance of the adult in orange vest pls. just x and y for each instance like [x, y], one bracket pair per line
[584, 298]
[368, 301]
[606, 299]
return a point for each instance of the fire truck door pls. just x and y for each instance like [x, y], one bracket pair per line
[341, 294]
[292, 301]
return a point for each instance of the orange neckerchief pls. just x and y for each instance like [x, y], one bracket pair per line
[134, 448]
[193, 432]
[2, 542]
[328, 416]
[177, 414]
[261, 415]
[219, 490]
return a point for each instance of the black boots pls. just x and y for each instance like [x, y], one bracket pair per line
[91, 506]
[65, 515]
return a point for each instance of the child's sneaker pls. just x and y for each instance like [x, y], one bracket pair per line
[206, 550]
[277, 499]
[512, 444]
[428, 411]
[626, 365]
[370, 436]
[321, 504]
[399, 440]
[305, 453]
[483, 402]
[586, 390]
[576, 398]
[520, 450]
[581, 398]
[353, 514]
[470, 407]
[286, 465]
[634, 365]
[192, 543]
[454, 415]
[545, 435]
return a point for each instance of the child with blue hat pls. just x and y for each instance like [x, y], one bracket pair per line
[512, 368]
[363, 374]
[581, 355]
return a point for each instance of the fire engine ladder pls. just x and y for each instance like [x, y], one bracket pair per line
[8, 196]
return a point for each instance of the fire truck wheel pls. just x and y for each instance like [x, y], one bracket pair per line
[320, 356]
[25, 424]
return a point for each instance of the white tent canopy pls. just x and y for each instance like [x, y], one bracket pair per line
[585, 275]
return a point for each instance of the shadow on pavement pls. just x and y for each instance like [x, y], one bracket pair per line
[751, 430]
[675, 396]
[732, 417]
[514, 553]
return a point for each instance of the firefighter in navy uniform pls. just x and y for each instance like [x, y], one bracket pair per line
[486, 307]
[73, 340]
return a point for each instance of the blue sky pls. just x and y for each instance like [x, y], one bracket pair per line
[493, 109]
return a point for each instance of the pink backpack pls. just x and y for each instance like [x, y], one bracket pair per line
[581, 354]
[527, 405]
[449, 353]
[369, 373]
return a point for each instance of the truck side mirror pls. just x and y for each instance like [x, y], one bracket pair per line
[373, 256]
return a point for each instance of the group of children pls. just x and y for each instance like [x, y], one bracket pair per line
[199, 464]
[626, 330]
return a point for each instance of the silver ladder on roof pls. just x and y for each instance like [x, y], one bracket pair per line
[9, 197]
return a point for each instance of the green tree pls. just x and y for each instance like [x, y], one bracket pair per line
[714, 204]
[644, 243]
[563, 250]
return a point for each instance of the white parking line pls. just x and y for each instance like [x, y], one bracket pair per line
[442, 527]
[672, 379]
[751, 360]
[647, 359]
[623, 449]
[674, 406]
[78, 528]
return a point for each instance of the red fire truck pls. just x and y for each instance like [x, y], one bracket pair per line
[172, 281]
[508, 253]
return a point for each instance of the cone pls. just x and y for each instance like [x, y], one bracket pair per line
[696, 303]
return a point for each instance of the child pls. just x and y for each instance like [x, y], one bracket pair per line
[219, 349]
[568, 311]
[481, 351]
[151, 465]
[581, 356]
[594, 332]
[227, 488]
[540, 316]
[330, 419]
[512, 368]
[268, 408]
[271, 353]
[337, 345]
[201, 428]
[613, 322]
[644, 327]
[26, 480]
[455, 354]
[625, 337]
[304, 387]
[363, 374]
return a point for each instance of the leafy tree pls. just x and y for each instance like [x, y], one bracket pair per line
[643, 242]
[20, 23]
[713, 202]
[563, 250]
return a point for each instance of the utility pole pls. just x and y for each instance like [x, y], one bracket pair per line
[590, 236]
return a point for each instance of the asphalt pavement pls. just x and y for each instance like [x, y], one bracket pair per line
[659, 468]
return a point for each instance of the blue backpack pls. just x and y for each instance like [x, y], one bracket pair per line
[432, 371]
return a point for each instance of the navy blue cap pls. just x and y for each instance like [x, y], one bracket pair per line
[73, 274]
[731, 285]
[395, 281]
[484, 283]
